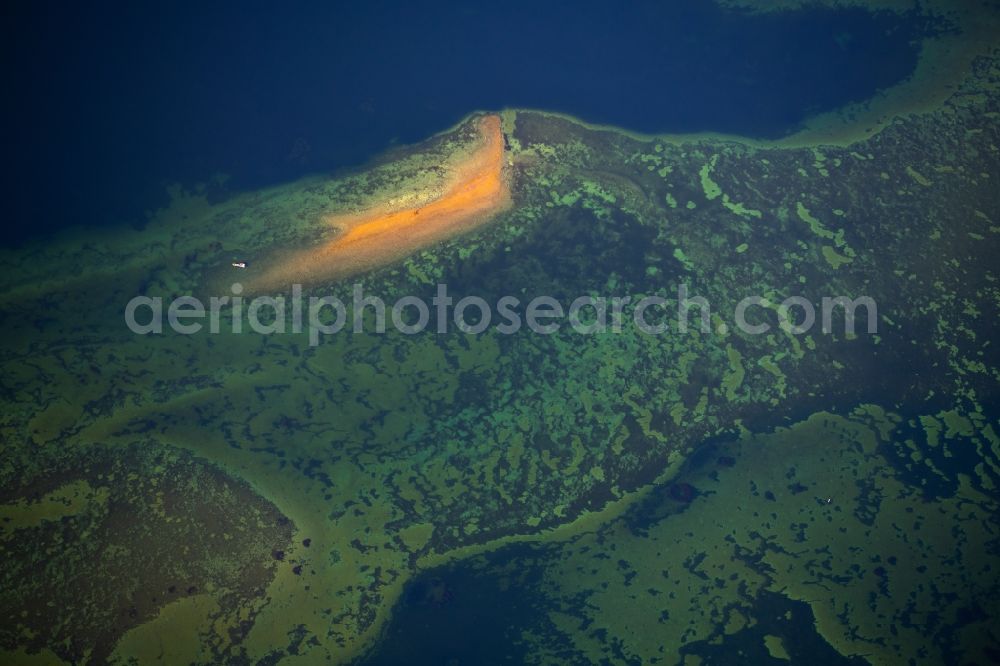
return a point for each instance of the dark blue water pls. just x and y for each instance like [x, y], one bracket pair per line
[105, 102]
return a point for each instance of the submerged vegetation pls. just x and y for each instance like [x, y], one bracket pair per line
[243, 498]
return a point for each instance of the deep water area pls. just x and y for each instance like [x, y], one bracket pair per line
[264, 96]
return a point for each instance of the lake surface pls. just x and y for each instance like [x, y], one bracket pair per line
[244, 495]
[112, 104]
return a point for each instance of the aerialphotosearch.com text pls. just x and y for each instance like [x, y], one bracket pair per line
[320, 316]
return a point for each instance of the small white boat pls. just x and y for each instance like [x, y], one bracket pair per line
[239, 264]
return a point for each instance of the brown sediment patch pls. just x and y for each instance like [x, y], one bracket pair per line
[475, 191]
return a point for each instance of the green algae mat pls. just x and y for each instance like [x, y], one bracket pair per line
[257, 496]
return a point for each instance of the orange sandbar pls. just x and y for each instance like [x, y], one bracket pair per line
[377, 236]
